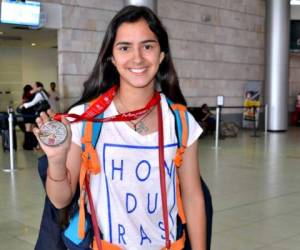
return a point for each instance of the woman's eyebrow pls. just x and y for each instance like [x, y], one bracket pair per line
[143, 42]
[149, 41]
[122, 43]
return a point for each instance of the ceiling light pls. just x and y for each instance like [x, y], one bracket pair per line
[33, 44]
[295, 2]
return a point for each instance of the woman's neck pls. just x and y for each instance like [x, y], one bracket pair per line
[134, 98]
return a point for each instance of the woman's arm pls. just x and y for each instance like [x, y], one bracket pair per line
[61, 193]
[192, 197]
[38, 97]
[63, 166]
[205, 117]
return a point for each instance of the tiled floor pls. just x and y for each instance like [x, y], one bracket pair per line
[255, 183]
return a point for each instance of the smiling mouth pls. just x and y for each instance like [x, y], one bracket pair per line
[137, 70]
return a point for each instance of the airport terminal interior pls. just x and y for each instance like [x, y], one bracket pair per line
[225, 54]
[254, 181]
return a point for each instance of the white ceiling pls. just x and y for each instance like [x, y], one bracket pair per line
[19, 36]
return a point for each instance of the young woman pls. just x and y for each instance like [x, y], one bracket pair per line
[134, 58]
[29, 119]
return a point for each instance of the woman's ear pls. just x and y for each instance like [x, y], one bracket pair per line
[161, 57]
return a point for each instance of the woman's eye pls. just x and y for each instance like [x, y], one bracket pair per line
[124, 48]
[148, 46]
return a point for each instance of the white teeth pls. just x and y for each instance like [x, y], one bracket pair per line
[141, 70]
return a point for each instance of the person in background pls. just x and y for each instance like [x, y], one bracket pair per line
[27, 108]
[27, 95]
[29, 118]
[297, 110]
[40, 94]
[53, 97]
[206, 118]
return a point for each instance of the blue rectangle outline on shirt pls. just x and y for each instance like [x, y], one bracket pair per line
[105, 145]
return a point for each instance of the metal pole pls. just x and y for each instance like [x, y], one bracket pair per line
[254, 122]
[11, 141]
[152, 4]
[266, 119]
[217, 127]
[254, 111]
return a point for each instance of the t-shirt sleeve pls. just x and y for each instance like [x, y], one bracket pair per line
[194, 129]
[76, 127]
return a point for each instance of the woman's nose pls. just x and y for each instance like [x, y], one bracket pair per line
[137, 55]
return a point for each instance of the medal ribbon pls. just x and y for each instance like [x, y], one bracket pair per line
[102, 103]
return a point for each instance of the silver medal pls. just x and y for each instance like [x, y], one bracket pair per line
[53, 133]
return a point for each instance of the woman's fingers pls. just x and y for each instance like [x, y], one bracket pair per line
[66, 123]
[64, 120]
[50, 113]
[36, 132]
[45, 118]
[39, 122]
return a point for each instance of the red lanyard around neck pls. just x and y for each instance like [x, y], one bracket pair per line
[162, 174]
[102, 103]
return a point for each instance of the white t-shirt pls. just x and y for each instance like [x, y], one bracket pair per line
[126, 193]
[53, 100]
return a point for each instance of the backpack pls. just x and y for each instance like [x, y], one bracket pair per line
[229, 129]
[181, 125]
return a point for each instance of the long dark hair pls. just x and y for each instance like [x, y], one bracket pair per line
[27, 96]
[104, 74]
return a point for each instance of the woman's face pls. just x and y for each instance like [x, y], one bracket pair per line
[136, 54]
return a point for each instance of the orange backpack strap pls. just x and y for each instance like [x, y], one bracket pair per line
[182, 132]
[89, 164]
[106, 246]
